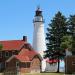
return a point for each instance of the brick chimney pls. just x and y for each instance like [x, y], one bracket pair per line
[25, 38]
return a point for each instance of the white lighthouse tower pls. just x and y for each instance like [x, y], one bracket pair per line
[39, 36]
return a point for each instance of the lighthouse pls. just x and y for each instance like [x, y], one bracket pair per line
[39, 36]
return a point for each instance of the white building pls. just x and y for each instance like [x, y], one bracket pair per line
[39, 36]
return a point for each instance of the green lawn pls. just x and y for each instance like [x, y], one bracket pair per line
[47, 74]
[44, 74]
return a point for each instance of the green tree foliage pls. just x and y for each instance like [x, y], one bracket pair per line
[66, 42]
[71, 27]
[56, 30]
[71, 31]
[1, 46]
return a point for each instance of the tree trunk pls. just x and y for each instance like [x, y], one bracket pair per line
[58, 65]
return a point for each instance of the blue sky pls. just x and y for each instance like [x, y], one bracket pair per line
[16, 16]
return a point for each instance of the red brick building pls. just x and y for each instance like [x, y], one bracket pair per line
[18, 56]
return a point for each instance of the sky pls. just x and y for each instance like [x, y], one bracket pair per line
[16, 16]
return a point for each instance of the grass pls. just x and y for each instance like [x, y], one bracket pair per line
[46, 74]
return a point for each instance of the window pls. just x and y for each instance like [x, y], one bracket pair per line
[0, 54]
[6, 54]
[17, 64]
[28, 65]
[73, 63]
[13, 52]
[10, 53]
[73, 52]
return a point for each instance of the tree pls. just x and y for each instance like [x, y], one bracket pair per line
[71, 27]
[1, 46]
[66, 42]
[56, 30]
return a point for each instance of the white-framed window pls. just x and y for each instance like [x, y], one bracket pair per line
[7, 54]
[17, 64]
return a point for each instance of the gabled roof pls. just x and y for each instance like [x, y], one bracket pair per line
[12, 44]
[25, 55]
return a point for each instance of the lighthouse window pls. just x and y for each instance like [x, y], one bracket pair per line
[38, 18]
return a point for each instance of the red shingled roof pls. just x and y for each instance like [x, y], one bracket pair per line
[12, 44]
[25, 55]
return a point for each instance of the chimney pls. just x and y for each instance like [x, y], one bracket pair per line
[25, 38]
